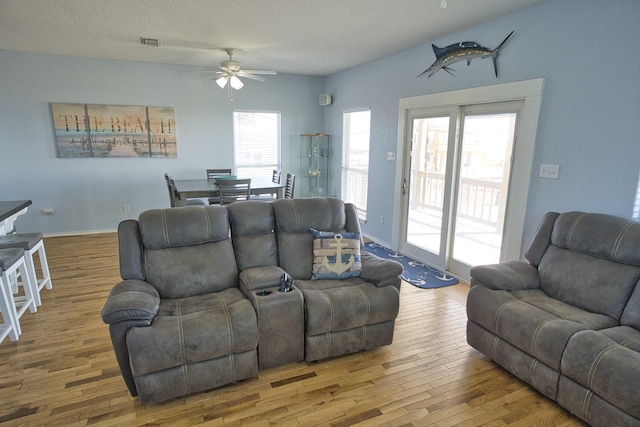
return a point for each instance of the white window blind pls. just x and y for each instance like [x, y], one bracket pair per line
[256, 143]
[355, 159]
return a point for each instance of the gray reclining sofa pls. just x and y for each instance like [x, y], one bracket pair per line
[567, 321]
[200, 303]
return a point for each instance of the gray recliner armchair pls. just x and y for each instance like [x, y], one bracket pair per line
[178, 321]
[567, 320]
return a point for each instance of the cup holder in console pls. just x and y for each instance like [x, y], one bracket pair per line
[263, 293]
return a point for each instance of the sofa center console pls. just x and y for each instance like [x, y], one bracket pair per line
[280, 325]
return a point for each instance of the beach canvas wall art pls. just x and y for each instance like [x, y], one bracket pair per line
[95, 130]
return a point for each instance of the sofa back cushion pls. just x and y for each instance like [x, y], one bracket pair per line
[592, 262]
[252, 233]
[187, 251]
[294, 220]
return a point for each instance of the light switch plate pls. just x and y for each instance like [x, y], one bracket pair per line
[549, 171]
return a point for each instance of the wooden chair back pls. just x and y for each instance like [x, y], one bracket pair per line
[289, 186]
[234, 190]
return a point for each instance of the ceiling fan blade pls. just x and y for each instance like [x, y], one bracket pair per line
[266, 72]
[201, 72]
[219, 70]
[251, 76]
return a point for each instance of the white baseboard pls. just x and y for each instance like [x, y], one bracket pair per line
[378, 241]
[79, 233]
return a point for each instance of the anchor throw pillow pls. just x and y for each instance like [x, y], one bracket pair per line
[335, 255]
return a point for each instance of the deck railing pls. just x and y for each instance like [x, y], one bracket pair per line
[479, 200]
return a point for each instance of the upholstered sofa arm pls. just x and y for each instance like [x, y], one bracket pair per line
[131, 300]
[508, 276]
[380, 271]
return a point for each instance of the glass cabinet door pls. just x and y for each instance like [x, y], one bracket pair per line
[314, 165]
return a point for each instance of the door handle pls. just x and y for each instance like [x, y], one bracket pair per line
[404, 186]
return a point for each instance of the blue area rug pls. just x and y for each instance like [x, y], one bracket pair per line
[415, 272]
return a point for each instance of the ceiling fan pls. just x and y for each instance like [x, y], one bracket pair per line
[231, 72]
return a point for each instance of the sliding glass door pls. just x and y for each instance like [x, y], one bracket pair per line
[427, 184]
[482, 185]
[457, 178]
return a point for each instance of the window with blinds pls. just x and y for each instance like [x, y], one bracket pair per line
[256, 143]
[355, 159]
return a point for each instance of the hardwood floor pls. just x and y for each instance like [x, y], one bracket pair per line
[63, 371]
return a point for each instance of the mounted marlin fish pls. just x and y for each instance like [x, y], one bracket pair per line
[445, 56]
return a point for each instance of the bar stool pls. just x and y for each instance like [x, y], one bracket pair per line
[31, 243]
[9, 326]
[13, 265]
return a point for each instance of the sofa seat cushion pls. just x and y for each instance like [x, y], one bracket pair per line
[192, 330]
[339, 305]
[539, 328]
[607, 362]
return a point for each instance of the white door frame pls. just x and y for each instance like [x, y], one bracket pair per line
[530, 91]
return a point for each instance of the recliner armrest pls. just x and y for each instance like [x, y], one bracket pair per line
[255, 278]
[131, 300]
[508, 276]
[380, 271]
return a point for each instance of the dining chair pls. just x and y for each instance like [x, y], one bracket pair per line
[275, 178]
[234, 190]
[289, 186]
[174, 196]
[213, 174]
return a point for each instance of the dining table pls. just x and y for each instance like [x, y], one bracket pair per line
[195, 188]
[9, 211]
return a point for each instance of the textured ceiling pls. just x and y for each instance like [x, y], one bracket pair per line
[313, 37]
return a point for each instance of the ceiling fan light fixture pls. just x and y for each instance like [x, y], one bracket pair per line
[236, 83]
[222, 81]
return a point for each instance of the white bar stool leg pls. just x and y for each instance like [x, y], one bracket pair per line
[14, 267]
[11, 326]
[28, 300]
[31, 243]
[45, 282]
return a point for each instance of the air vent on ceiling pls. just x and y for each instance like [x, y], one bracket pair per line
[150, 42]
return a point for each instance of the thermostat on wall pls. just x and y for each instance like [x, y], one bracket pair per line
[324, 99]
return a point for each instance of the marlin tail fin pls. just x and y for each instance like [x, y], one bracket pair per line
[495, 53]
[504, 41]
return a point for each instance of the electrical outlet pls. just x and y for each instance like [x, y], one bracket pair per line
[48, 211]
[381, 219]
[126, 208]
[549, 171]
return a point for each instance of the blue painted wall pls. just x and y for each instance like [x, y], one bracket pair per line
[586, 50]
[88, 194]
